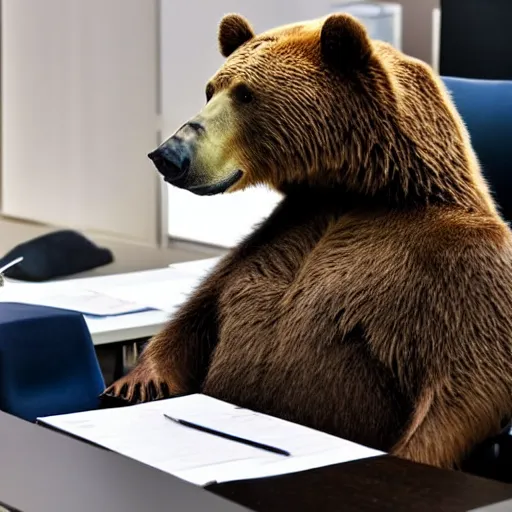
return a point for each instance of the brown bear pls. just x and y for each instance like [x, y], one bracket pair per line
[375, 302]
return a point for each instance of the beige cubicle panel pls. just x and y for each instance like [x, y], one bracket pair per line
[78, 115]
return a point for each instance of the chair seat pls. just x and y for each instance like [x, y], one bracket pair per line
[492, 458]
[48, 364]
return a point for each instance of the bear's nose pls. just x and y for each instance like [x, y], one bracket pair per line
[173, 157]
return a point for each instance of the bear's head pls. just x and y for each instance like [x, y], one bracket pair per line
[320, 104]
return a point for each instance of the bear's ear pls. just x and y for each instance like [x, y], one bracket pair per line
[344, 42]
[234, 31]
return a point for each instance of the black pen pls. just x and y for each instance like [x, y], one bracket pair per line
[254, 444]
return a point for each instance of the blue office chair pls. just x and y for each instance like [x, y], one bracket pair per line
[486, 108]
[47, 362]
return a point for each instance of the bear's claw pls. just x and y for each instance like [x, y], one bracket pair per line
[134, 389]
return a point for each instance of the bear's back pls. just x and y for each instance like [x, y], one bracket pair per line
[333, 321]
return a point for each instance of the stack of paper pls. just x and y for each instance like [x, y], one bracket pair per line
[142, 432]
[162, 289]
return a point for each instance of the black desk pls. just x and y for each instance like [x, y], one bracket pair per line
[378, 484]
[44, 471]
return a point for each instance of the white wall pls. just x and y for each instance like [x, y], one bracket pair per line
[190, 56]
[79, 86]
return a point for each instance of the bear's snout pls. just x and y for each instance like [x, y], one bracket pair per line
[172, 158]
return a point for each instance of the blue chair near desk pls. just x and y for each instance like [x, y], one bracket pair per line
[486, 108]
[47, 362]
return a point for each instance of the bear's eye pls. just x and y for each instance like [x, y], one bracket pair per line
[243, 94]
[209, 92]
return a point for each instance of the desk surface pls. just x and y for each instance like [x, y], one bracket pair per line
[124, 327]
[45, 471]
[379, 484]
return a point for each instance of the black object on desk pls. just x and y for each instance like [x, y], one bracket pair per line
[230, 437]
[58, 254]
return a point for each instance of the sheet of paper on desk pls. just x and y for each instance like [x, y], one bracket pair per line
[143, 433]
[87, 302]
[165, 295]
[196, 267]
[163, 289]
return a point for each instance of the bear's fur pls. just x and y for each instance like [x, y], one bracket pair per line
[375, 303]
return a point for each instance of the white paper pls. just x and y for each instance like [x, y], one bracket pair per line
[196, 267]
[87, 302]
[117, 295]
[166, 294]
[90, 302]
[143, 433]
[164, 289]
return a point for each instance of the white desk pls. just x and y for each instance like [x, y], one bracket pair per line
[174, 282]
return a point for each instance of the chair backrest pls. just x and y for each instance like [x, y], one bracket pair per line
[486, 108]
[48, 364]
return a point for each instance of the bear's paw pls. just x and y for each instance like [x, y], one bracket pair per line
[142, 384]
